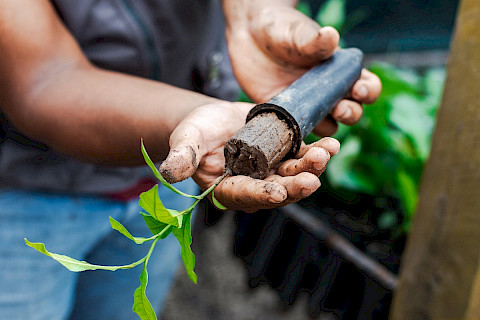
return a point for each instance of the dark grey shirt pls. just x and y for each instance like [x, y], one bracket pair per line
[180, 42]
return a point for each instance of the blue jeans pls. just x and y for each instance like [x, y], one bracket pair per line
[35, 287]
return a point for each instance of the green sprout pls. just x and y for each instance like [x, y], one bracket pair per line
[161, 222]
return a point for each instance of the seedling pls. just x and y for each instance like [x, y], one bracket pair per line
[161, 221]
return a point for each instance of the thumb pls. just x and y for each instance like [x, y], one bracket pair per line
[292, 37]
[184, 156]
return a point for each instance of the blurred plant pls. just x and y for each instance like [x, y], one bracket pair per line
[334, 13]
[384, 154]
[331, 13]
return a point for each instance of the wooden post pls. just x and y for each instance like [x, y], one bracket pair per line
[440, 273]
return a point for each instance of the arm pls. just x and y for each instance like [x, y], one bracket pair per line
[53, 94]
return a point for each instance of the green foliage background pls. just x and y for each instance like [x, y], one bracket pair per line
[385, 153]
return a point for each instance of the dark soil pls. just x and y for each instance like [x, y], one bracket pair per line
[259, 146]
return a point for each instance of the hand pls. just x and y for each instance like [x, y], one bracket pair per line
[271, 44]
[197, 150]
[294, 179]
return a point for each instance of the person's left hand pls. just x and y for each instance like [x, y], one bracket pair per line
[271, 44]
[197, 150]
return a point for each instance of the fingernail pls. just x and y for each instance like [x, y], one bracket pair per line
[343, 111]
[362, 92]
[347, 113]
[320, 165]
[306, 192]
[277, 197]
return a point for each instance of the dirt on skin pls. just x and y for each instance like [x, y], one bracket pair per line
[173, 169]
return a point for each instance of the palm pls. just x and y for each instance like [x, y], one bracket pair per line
[205, 131]
[197, 151]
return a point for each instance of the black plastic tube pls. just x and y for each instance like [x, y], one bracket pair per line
[310, 99]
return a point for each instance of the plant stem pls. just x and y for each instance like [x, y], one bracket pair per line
[155, 237]
[147, 257]
[203, 195]
[220, 179]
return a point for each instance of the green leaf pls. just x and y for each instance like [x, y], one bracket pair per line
[156, 226]
[410, 116]
[342, 132]
[159, 176]
[120, 228]
[332, 14]
[311, 138]
[150, 163]
[76, 265]
[304, 8]
[386, 151]
[407, 187]
[402, 146]
[141, 304]
[395, 80]
[184, 237]
[243, 97]
[216, 203]
[434, 84]
[341, 170]
[150, 201]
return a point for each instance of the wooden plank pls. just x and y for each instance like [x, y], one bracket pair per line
[439, 277]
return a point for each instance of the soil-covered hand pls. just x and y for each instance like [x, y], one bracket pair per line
[271, 44]
[293, 180]
[197, 150]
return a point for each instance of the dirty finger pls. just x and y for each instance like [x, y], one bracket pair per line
[298, 187]
[367, 88]
[248, 194]
[330, 144]
[314, 161]
[347, 112]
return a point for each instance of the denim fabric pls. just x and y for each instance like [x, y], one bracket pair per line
[35, 287]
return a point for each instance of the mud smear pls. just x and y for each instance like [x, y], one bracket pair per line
[178, 166]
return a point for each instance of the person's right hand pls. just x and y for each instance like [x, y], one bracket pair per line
[197, 150]
[271, 44]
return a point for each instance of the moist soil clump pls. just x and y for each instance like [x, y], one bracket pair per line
[259, 146]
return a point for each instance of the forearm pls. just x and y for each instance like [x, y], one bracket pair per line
[101, 116]
[51, 93]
